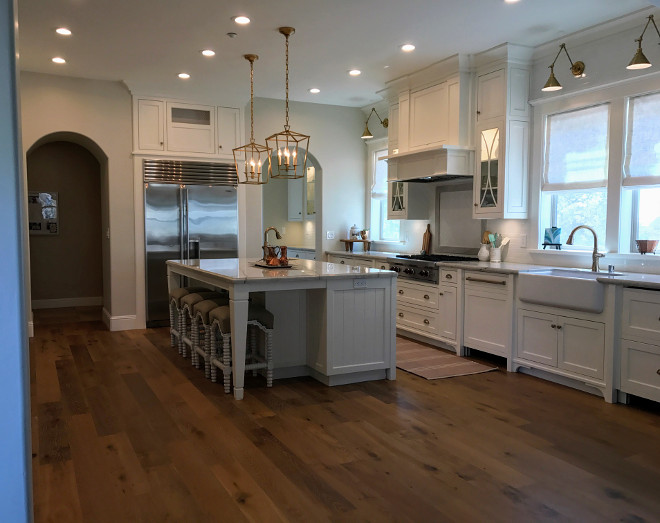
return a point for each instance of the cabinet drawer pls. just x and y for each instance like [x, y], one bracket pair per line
[640, 369]
[449, 275]
[641, 315]
[354, 261]
[417, 295]
[417, 319]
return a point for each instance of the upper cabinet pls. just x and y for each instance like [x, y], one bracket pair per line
[166, 127]
[502, 140]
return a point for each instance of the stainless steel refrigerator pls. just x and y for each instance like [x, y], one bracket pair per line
[190, 211]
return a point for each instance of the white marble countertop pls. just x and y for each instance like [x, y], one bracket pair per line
[244, 269]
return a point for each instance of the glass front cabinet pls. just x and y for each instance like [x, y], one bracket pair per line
[488, 174]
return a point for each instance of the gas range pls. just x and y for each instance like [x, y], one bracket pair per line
[422, 267]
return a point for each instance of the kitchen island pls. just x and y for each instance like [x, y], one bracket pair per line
[332, 322]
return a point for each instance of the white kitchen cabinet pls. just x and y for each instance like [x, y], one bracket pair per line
[418, 308]
[502, 140]
[151, 130]
[573, 345]
[393, 129]
[447, 305]
[228, 120]
[407, 201]
[351, 260]
[639, 347]
[300, 254]
[162, 126]
[295, 191]
[488, 311]
[429, 124]
[190, 128]
[491, 95]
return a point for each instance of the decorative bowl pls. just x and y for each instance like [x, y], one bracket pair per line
[646, 246]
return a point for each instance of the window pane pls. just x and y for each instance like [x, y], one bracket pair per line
[581, 208]
[391, 228]
[379, 189]
[576, 147]
[649, 215]
[643, 144]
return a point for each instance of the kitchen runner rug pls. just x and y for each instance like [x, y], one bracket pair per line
[433, 364]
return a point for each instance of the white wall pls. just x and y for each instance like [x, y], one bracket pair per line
[15, 479]
[335, 143]
[101, 111]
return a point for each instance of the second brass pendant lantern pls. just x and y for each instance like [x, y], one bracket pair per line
[291, 147]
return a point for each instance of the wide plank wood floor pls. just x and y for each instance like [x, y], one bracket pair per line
[125, 430]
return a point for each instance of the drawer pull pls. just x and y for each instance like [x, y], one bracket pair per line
[426, 322]
[469, 278]
[427, 297]
[448, 276]
[441, 293]
[400, 291]
[401, 315]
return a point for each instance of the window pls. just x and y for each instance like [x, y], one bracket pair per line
[641, 170]
[575, 175]
[380, 227]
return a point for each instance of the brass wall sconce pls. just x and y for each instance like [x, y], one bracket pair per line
[640, 61]
[367, 133]
[577, 70]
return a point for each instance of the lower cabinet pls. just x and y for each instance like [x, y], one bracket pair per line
[573, 345]
[301, 254]
[488, 311]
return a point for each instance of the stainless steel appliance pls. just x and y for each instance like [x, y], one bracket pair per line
[190, 211]
[423, 268]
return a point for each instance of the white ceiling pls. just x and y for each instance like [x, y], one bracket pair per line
[146, 43]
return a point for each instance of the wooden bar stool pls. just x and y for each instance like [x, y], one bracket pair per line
[259, 319]
[186, 316]
[175, 310]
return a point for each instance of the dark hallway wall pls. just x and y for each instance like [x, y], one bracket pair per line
[67, 265]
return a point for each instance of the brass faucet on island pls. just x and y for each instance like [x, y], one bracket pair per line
[275, 256]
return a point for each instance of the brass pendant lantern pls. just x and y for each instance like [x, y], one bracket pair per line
[255, 157]
[289, 144]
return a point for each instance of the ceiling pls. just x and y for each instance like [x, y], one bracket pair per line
[146, 43]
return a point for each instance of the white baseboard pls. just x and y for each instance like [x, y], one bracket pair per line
[59, 303]
[121, 323]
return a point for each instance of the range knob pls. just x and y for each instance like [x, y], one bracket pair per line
[409, 270]
[395, 269]
[423, 272]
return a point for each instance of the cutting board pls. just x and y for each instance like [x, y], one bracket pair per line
[426, 240]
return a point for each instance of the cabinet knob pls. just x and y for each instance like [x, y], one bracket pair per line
[219, 146]
[341, 261]
[658, 372]
[401, 315]
[448, 276]
[162, 143]
[558, 327]
[427, 297]
[476, 205]
[426, 322]
[400, 291]
[553, 326]
[441, 293]
[478, 112]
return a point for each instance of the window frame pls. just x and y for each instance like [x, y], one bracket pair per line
[375, 149]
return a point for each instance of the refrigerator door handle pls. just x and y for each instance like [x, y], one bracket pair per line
[182, 224]
[186, 224]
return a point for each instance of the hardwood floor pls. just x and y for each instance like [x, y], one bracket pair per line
[125, 430]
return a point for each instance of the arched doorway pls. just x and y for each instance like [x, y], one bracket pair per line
[65, 202]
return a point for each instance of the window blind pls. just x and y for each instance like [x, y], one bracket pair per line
[576, 149]
[642, 148]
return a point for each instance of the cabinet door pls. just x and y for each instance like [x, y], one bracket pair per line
[151, 125]
[407, 201]
[228, 134]
[640, 369]
[190, 128]
[393, 130]
[581, 346]
[447, 302]
[487, 192]
[515, 175]
[428, 117]
[537, 337]
[295, 188]
[491, 95]
[486, 322]
[397, 200]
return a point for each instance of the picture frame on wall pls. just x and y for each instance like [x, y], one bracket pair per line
[43, 213]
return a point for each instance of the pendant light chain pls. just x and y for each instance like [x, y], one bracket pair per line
[251, 101]
[286, 126]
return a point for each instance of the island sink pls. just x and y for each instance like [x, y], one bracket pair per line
[575, 289]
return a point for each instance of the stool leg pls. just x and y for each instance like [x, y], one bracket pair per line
[207, 351]
[253, 346]
[172, 324]
[214, 353]
[182, 331]
[269, 358]
[226, 360]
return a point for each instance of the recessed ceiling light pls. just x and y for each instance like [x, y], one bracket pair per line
[59, 60]
[208, 52]
[241, 20]
[63, 31]
[315, 90]
[184, 76]
[511, 1]
[355, 72]
[406, 48]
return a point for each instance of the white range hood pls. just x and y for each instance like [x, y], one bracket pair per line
[437, 164]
